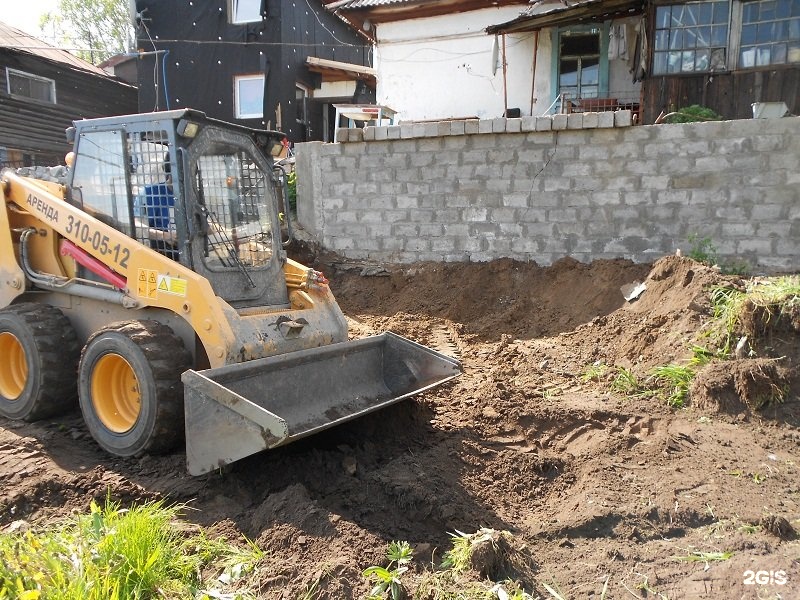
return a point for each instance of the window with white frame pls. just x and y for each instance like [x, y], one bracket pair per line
[770, 33]
[244, 11]
[691, 37]
[249, 96]
[30, 86]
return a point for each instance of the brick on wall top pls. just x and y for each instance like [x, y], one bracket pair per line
[586, 120]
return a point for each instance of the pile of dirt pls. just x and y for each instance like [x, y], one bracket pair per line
[610, 496]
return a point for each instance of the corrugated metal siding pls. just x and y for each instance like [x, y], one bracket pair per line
[38, 127]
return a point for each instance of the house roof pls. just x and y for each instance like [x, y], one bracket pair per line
[382, 11]
[334, 70]
[553, 13]
[11, 37]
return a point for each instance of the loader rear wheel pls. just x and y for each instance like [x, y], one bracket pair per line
[130, 390]
[38, 358]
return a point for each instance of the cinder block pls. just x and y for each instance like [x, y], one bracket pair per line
[471, 127]
[544, 123]
[559, 122]
[575, 121]
[430, 129]
[513, 125]
[458, 127]
[623, 118]
[499, 125]
[341, 135]
[419, 129]
[528, 124]
[356, 134]
[393, 132]
[381, 133]
[443, 128]
[406, 131]
[605, 119]
[590, 120]
[369, 134]
[485, 126]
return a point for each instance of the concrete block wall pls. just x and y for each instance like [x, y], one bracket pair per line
[543, 188]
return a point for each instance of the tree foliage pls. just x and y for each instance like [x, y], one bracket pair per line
[99, 29]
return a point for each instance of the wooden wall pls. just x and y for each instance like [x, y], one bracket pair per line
[37, 128]
[729, 94]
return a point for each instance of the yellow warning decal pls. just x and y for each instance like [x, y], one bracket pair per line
[146, 283]
[172, 285]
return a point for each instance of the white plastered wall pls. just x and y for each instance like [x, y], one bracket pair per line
[441, 67]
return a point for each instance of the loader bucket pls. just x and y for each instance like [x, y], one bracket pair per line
[237, 410]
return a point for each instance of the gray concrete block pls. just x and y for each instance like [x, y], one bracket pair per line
[499, 125]
[341, 135]
[369, 134]
[406, 131]
[513, 125]
[471, 126]
[381, 133]
[443, 128]
[355, 134]
[528, 124]
[605, 119]
[393, 132]
[457, 128]
[590, 120]
[575, 121]
[430, 129]
[623, 118]
[559, 122]
[419, 129]
[485, 126]
[544, 123]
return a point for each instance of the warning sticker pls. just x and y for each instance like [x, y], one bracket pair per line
[146, 283]
[172, 285]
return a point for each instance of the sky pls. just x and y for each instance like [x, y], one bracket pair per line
[25, 15]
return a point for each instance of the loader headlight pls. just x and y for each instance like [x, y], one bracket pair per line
[187, 129]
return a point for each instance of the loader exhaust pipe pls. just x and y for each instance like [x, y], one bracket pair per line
[237, 410]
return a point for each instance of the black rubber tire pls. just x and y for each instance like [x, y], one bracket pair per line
[157, 357]
[51, 352]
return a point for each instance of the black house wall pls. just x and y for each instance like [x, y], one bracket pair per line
[206, 52]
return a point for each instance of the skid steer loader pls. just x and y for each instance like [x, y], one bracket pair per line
[153, 285]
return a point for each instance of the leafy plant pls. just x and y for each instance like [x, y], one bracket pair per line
[703, 250]
[291, 187]
[706, 557]
[676, 379]
[387, 579]
[113, 552]
[594, 372]
[625, 382]
[693, 114]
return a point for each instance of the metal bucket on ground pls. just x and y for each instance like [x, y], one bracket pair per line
[237, 410]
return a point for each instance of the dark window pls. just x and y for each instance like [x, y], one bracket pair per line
[691, 37]
[770, 33]
[31, 86]
[579, 64]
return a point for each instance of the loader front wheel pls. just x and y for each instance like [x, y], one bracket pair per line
[38, 356]
[129, 387]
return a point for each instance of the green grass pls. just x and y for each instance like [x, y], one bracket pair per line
[773, 297]
[625, 382]
[112, 553]
[594, 372]
[674, 381]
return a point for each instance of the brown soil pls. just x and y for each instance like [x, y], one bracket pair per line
[597, 489]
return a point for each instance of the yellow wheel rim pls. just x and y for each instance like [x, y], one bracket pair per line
[115, 393]
[13, 366]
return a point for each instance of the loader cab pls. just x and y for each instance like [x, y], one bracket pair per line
[197, 190]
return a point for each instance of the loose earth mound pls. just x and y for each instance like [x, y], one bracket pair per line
[607, 494]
